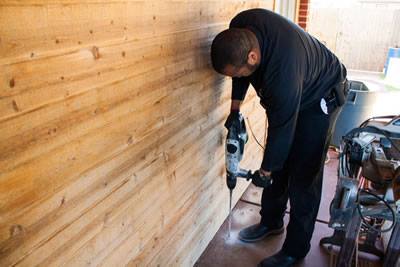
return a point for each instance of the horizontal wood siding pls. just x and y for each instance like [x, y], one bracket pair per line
[111, 131]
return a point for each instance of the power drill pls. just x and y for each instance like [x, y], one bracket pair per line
[236, 139]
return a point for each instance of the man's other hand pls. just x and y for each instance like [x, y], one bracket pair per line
[233, 116]
[262, 179]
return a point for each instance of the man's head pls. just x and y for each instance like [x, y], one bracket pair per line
[235, 52]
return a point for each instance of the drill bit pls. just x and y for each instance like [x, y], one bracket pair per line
[230, 214]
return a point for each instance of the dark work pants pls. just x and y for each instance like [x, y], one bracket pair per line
[300, 180]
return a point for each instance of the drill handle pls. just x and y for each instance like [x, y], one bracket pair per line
[256, 178]
[261, 180]
[242, 173]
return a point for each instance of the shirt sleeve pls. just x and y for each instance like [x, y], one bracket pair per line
[282, 100]
[239, 88]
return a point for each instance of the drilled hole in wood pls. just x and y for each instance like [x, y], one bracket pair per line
[32, 54]
[12, 83]
[95, 52]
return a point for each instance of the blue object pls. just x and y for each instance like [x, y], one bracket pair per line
[393, 52]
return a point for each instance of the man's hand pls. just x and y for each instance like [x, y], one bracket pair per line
[262, 178]
[233, 116]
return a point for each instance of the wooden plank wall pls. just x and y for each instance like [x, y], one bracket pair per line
[359, 36]
[111, 131]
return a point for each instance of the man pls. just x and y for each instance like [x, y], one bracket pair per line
[302, 85]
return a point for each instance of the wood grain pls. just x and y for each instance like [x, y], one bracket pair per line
[360, 39]
[111, 131]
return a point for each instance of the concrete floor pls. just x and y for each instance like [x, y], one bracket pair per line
[229, 251]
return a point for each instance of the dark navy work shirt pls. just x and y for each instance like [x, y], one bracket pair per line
[295, 71]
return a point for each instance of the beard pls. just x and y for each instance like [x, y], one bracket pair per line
[252, 68]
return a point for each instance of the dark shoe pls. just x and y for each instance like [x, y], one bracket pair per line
[258, 232]
[280, 259]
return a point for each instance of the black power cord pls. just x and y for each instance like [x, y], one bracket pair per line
[252, 133]
[366, 224]
[377, 118]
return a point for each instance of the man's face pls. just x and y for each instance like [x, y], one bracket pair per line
[246, 70]
[237, 72]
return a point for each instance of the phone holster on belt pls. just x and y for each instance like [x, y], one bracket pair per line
[342, 88]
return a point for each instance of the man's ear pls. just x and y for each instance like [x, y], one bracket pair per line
[252, 58]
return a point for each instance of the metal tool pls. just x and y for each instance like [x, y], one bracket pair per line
[236, 139]
[368, 191]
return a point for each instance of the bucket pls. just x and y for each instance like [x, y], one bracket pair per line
[393, 52]
[357, 108]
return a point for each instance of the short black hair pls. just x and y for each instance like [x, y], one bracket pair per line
[231, 47]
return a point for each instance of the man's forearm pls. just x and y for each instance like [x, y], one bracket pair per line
[235, 105]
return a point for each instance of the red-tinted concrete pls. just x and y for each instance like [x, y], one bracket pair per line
[223, 251]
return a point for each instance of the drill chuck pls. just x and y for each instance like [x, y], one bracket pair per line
[230, 181]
